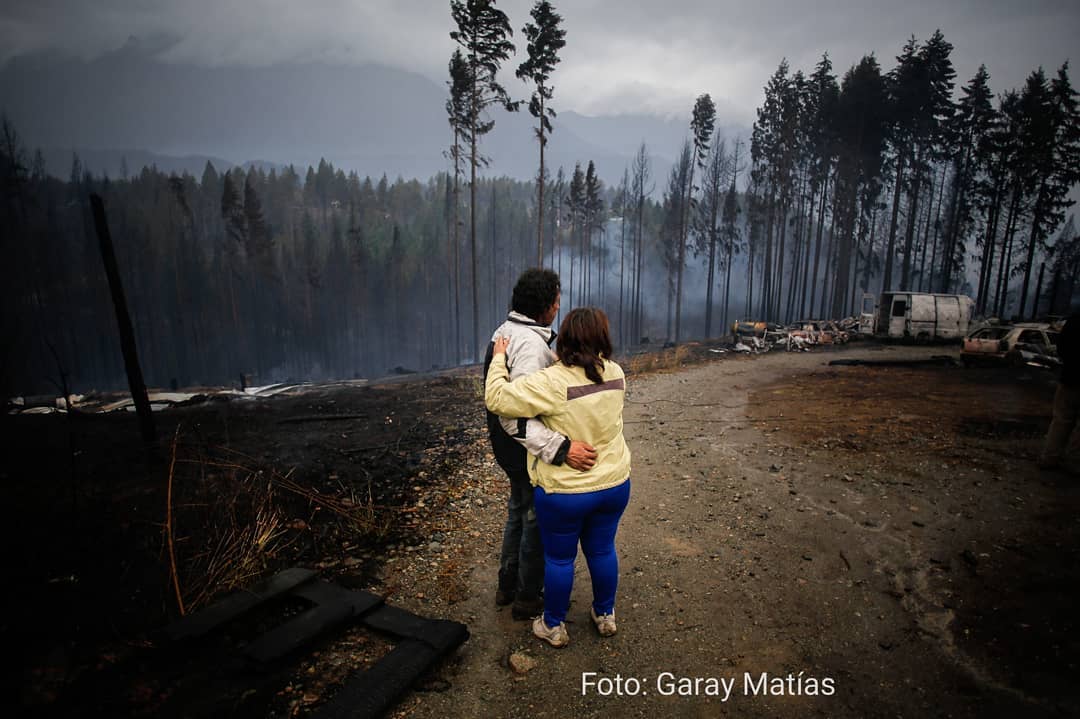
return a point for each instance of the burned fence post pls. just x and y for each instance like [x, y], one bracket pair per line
[123, 321]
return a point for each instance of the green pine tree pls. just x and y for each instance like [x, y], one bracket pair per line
[483, 32]
[545, 38]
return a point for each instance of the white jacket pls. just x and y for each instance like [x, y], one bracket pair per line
[529, 351]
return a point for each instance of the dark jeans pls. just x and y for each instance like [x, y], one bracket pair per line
[521, 563]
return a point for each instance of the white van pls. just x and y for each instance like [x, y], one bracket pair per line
[916, 316]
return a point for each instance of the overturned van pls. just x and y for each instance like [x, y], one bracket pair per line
[917, 316]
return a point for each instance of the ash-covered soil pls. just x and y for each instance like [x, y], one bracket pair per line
[884, 528]
[108, 540]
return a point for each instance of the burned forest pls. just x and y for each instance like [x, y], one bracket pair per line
[250, 287]
[874, 181]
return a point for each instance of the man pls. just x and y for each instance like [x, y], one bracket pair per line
[1066, 398]
[534, 306]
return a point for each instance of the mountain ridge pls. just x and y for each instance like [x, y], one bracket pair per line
[370, 118]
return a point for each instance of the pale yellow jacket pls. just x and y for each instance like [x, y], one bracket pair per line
[570, 403]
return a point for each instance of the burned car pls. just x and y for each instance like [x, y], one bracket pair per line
[755, 328]
[815, 332]
[1016, 345]
[755, 336]
[839, 334]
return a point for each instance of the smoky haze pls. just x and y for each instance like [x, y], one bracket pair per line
[373, 119]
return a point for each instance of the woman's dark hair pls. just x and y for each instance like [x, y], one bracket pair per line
[585, 341]
[535, 292]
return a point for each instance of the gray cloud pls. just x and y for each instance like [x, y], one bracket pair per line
[621, 56]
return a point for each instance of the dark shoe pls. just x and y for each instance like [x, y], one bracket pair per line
[527, 608]
[503, 597]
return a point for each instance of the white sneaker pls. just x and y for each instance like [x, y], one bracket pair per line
[555, 636]
[605, 623]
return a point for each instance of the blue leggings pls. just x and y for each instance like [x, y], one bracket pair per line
[593, 518]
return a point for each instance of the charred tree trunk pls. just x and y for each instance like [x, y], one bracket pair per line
[890, 248]
[766, 267]
[925, 244]
[1038, 292]
[817, 242]
[869, 251]
[1005, 266]
[727, 292]
[986, 264]
[709, 277]
[909, 234]
[806, 257]
[937, 233]
[778, 289]
[1033, 240]
[826, 297]
[622, 276]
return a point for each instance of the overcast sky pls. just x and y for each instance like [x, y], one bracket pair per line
[621, 56]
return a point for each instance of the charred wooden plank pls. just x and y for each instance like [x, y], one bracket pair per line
[236, 604]
[372, 692]
[334, 605]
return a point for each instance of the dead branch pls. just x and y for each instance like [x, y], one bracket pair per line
[168, 526]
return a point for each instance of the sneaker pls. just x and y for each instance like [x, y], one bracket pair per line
[527, 608]
[605, 623]
[555, 636]
[503, 597]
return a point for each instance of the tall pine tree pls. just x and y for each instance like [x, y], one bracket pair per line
[483, 34]
[545, 38]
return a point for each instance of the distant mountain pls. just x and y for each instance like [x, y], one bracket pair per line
[371, 119]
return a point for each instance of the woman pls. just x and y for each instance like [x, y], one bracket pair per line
[579, 396]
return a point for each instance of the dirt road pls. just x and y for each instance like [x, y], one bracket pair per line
[801, 540]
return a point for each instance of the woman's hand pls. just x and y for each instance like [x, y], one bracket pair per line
[501, 343]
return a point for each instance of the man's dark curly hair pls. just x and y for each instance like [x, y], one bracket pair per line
[536, 290]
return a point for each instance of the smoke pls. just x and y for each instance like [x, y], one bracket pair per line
[657, 299]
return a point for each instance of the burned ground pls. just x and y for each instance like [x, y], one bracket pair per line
[332, 479]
